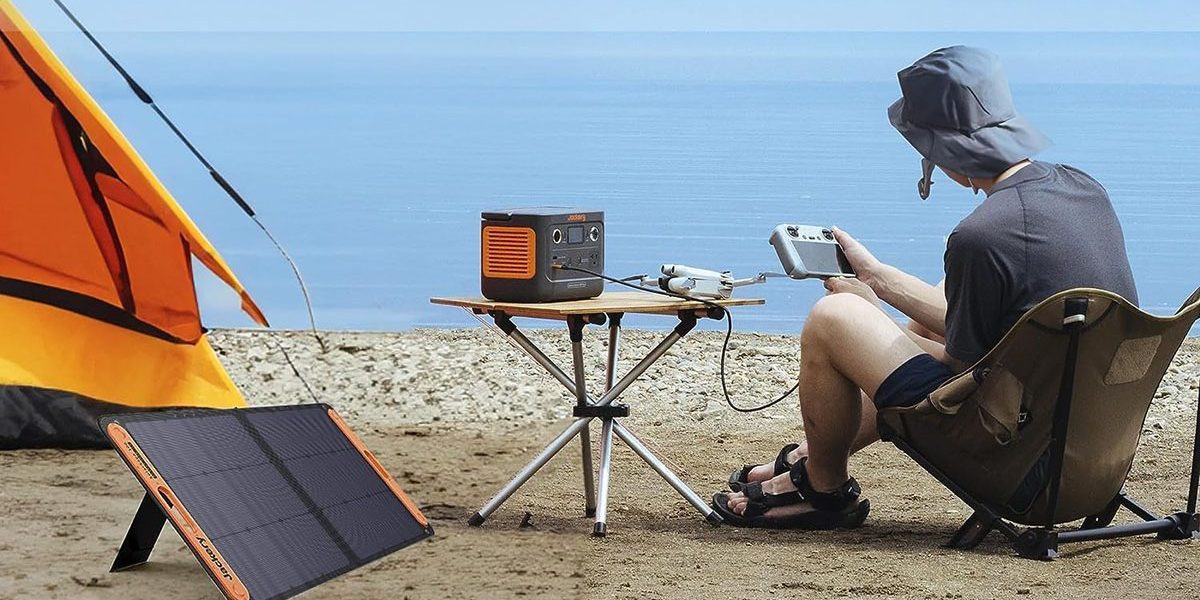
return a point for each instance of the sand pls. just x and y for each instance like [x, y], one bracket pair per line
[453, 413]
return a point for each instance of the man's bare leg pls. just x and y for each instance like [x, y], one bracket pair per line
[868, 431]
[849, 347]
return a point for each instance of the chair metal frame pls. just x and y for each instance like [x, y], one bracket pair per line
[1041, 542]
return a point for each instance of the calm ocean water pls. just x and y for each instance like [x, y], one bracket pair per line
[371, 155]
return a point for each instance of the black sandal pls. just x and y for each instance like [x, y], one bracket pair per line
[840, 509]
[759, 502]
[739, 478]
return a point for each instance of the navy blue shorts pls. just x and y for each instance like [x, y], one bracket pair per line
[912, 381]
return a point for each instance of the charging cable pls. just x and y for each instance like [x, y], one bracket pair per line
[728, 316]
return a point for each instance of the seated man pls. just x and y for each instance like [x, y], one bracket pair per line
[1042, 228]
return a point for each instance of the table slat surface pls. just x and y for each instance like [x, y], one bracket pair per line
[631, 302]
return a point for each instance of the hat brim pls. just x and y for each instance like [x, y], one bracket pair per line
[985, 152]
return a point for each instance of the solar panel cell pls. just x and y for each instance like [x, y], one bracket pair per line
[238, 499]
[363, 524]
[331, 479]
[284, 557]
[303, 433]
[205, 444]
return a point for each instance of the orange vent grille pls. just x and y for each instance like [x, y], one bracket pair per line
[508, 252]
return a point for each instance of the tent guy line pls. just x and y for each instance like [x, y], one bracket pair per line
[220, 180]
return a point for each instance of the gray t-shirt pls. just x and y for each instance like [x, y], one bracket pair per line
[1044, 229]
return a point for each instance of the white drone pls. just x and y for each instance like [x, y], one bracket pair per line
[699, 283]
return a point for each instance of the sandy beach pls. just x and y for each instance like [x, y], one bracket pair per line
[453, 413]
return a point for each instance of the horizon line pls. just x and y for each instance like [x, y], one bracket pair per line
[58, 29]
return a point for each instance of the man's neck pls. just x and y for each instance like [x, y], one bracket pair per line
[1009, 172]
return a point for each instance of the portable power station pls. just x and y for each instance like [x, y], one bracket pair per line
[520, 246]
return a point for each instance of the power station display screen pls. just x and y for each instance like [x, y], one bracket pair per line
[273, 501]
[575, 234]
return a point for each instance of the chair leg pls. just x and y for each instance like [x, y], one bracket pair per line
[1104, 518]
[972, 531]
[1188, 529]
[1037, 543]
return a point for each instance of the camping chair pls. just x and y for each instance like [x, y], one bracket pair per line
[1042, 431]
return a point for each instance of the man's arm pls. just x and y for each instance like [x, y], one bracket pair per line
[923, 303]
[918, 300]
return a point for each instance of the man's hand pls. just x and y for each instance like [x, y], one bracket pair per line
[866, 267]
[920, 301]
[851, 285]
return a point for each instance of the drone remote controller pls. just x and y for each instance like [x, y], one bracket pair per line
[809, 251]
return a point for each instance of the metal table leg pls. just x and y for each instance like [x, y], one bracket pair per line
[589, 488]
[613, 391]
[614, 344]
[606, 439]
[665, 472]
[606, 447]
[539, 461]
[575, 326]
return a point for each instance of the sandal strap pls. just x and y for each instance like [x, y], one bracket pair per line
[755, 509]
[781, 464]
[845, 496]
[755, 494]
[738, 478]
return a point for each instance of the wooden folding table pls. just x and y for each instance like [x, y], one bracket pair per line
[577, 314]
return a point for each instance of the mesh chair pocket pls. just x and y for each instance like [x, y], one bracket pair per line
[1132, 360]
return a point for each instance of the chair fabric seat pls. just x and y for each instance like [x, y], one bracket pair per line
[990, 429]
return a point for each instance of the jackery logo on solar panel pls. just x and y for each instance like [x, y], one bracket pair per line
[142, 462]
[212, 557]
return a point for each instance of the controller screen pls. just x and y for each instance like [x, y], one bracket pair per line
[823, 258]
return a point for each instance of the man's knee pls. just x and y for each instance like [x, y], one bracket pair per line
[919, 329]
[830, 314]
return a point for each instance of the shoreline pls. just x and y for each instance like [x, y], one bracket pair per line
[475, 377]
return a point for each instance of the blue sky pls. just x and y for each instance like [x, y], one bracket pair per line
[621, 15]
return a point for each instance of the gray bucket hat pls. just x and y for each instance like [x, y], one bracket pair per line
[957, 111]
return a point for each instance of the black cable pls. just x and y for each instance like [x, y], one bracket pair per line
[727, 315]
[224, 184]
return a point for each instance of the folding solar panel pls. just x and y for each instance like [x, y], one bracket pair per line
[272, 501]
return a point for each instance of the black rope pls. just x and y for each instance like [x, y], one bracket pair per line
[296, 371]
[728, 316]
[220, 180]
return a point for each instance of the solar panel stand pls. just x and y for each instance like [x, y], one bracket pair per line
[142, 535]
[603, 408]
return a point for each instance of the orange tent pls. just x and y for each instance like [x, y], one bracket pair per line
[98, 309]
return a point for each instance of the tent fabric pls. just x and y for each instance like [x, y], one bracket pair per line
[98, 303]
[42, 418]
[60, 371]
[101, 215]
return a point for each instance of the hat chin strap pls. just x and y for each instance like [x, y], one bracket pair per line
[926, 181]
[974, 188]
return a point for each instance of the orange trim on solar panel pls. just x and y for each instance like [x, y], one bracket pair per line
[195, 537]
[382, 472]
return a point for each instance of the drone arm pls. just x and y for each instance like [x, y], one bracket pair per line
[760, 278]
